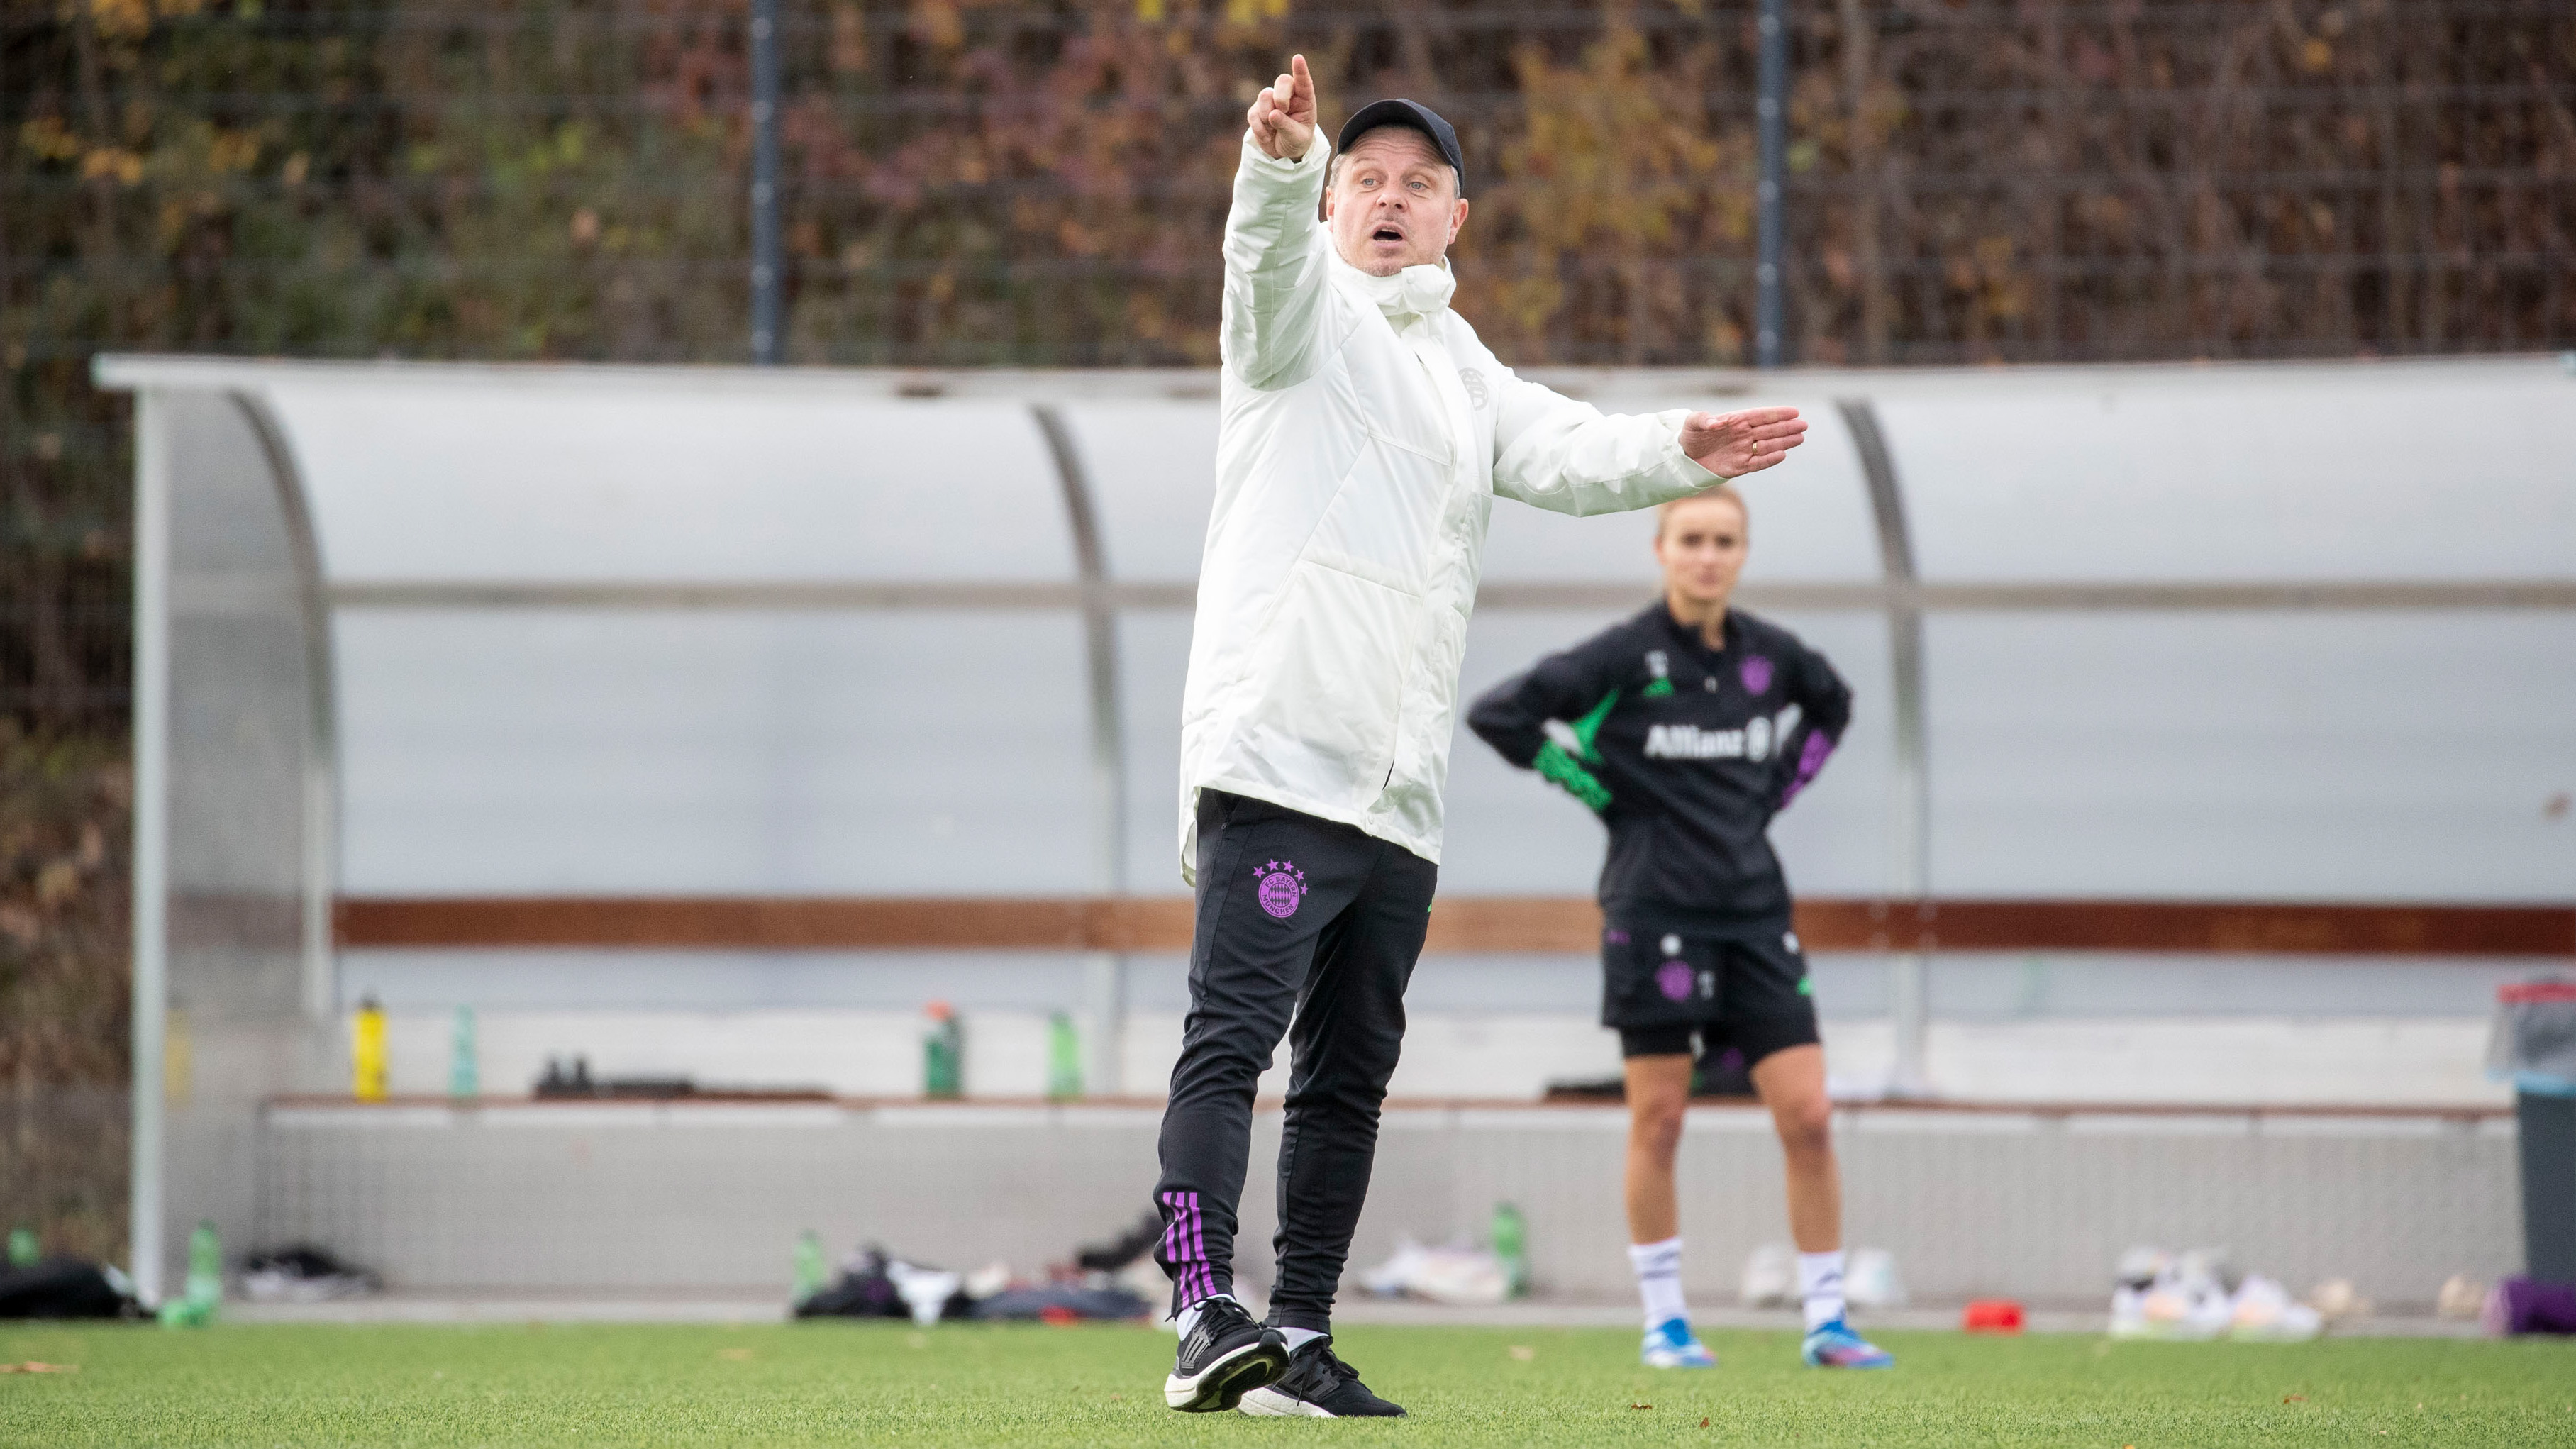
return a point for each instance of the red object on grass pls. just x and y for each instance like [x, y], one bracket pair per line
[1058, 1315]
[1992, 1315]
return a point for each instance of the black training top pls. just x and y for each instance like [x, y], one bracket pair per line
[1685, 752]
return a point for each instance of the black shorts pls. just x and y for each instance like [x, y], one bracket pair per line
[1746, 988]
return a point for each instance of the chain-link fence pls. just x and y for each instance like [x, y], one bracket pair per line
[64, 812]
[63, 1168]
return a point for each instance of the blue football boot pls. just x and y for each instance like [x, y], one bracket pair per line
[1834, 1345]
[1669, 1344]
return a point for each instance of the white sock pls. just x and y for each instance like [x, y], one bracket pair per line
[1188, 1318]
[1300, 1337]
[1659, 1280]
[1820, 1282]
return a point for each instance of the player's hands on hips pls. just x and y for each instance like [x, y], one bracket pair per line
[1283, 117]
[1731, 445]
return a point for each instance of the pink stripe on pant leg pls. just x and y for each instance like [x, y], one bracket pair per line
[1184, 1247]
[1193, 1263]
[1199, 1243]
[1171, 1246]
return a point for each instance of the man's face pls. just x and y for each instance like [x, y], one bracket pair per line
[1702, 549]
[1394, 202]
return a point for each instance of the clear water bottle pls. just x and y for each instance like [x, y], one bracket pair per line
[1511, 1246]
[943, 1053]
[1064, 1059]
[23, 1251]
[464, 1067]
[809, 1268]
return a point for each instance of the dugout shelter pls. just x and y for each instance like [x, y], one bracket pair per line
[681, 666]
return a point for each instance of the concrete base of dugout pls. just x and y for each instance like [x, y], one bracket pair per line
[1524, 1313]
[508, 1200]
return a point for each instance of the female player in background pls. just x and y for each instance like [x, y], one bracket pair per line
[1686, 728]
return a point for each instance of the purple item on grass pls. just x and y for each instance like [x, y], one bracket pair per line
[2519, 1305]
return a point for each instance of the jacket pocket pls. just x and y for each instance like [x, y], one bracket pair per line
[1330, 686]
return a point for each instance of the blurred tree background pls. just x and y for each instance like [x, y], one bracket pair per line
[1043, 183]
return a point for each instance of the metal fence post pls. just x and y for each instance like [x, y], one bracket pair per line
[1771, 193]
[766, 263]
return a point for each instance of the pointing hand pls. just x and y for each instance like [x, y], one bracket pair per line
[1283, 116]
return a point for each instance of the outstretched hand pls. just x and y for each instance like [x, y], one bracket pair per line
[1283, 117]
[1731, 445]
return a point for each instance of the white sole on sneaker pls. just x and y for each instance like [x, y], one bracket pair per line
[1269, 1403]
[1223, 1384]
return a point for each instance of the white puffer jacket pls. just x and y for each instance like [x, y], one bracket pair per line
[1365, 433]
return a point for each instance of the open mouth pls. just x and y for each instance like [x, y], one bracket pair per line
[1386, 234]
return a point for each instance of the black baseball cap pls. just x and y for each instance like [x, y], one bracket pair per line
[1407, 113]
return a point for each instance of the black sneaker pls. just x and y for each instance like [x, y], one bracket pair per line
[1319, 1386]
[1224, 1355]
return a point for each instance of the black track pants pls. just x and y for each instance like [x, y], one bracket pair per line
[1303, 918]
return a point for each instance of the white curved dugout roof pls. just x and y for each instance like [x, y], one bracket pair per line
[2259, 633]
[2246, 631]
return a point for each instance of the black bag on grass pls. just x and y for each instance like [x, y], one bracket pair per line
[66, 1288]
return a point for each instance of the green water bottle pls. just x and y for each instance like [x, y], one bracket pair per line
[195, 1306]
[943, 1053]
[1064, 1059]
[23, 1251]
[205, 1268]
[809, 1268]
[1511, 1246]
[464, 1071]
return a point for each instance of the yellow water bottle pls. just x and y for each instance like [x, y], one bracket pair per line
[367, 1051]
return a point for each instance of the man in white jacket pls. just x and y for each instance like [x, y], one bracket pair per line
[1365, 434]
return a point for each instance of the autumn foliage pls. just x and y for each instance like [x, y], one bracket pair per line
[1042, 183]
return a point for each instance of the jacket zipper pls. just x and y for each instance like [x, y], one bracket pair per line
[1395, 744]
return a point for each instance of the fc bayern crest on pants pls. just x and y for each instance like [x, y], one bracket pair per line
[1283, 885]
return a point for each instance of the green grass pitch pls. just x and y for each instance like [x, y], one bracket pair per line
[891, 1384]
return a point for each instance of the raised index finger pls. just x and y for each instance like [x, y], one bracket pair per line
[1304, 83]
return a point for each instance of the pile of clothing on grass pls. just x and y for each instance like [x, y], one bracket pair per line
[1109, 1280]
[1870, 1279]
[1459, 1273]
[2200, 1295]
[303, 1273]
